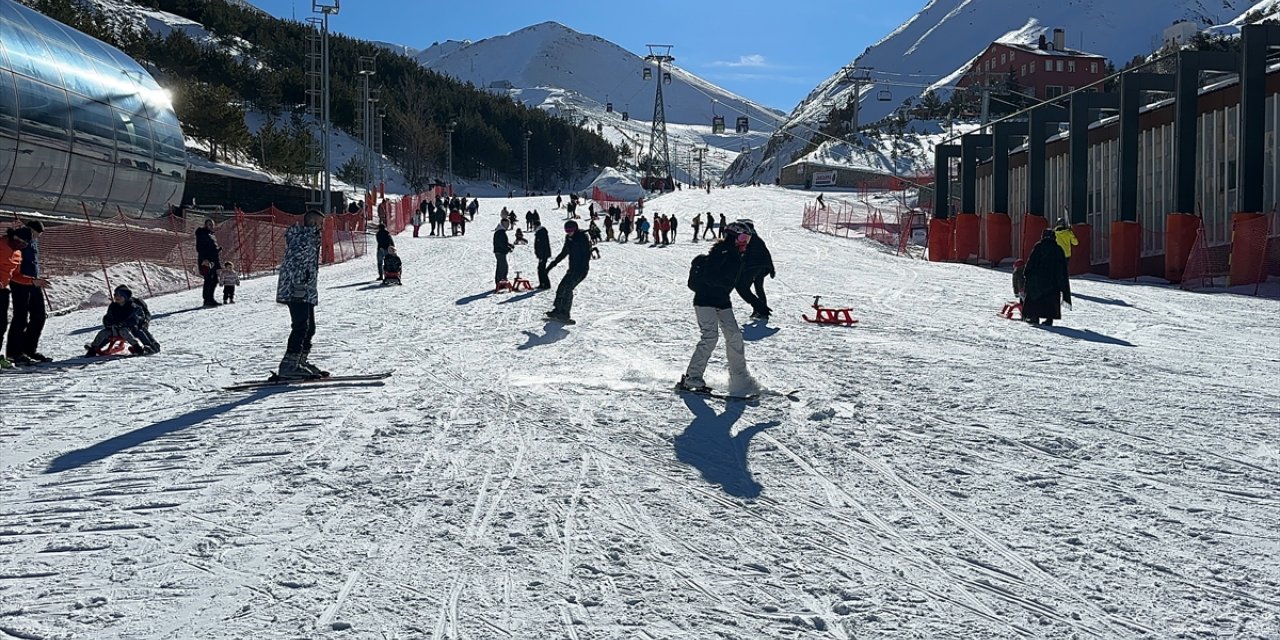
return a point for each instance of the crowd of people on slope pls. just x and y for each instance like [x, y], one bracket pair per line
[453, 210]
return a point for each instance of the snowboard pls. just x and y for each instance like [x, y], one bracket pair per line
[245, 386]
[790, 395]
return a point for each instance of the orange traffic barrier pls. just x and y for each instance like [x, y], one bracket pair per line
[939, 240]
[1179, 237]
[998, 232]
[965, 245]
[1126, 249]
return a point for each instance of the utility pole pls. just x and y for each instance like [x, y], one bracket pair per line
[700, 154]
[658, 164]
[527, 136]
[858, 76]
[367, 69]
[448, 130]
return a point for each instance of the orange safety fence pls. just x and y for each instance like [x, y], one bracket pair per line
[84, 259]
[1252, 255]
[844, 220]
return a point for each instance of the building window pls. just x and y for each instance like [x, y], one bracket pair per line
[1002, 56]
[1024, 70]
[1071, 66]
[1059, 66]
[1048, 65]
[1011, 54]
[1052, 91]
[1093, 67]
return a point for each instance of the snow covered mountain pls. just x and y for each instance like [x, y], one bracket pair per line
[553, 67]
[936, 44]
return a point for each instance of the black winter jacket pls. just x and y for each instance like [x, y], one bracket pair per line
[391, 264]
[501, 246]
[133, 313]
[207, 247]
[578, 249]
[757, 261]
[719, 275]
[384, 239]
[541, 244]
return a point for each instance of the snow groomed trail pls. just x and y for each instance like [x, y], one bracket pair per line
[946, 474]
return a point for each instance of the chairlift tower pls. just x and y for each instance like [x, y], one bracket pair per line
[657, 165]
[858, 76]
[366, 117]
[318, 84]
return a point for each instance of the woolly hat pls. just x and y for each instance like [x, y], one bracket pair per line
[124, 292]
[35, 225]
[24, 234]
[1047, 235]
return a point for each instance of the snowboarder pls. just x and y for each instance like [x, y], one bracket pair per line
[229, 279]
[129, 319]
[712, 277]
[501, 247]
[578, 249]
[757, 262]
[27, 290]
[542, 251]
[821, 205]
[384, 242]
[298, 288]
[10, 262]
[392, 265]
[209, 257]
[1047, 283]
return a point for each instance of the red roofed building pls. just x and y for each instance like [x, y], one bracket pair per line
[1043, 70]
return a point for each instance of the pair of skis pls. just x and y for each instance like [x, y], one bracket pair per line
[297, 382]
[792, 395]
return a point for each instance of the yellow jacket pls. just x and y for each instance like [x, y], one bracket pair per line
[1066, 239]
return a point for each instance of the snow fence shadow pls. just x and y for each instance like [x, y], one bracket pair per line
[708, 446]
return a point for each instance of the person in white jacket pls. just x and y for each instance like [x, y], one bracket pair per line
[229, 278]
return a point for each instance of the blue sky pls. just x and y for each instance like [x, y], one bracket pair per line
[773, 53]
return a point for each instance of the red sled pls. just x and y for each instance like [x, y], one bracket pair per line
[830, 315]
[1009, 308]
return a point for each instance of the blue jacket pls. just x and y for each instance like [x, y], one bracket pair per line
[31, 260]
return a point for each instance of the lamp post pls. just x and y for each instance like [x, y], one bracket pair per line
[448, 129]
[527, 136]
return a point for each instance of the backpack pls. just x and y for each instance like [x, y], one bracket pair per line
[698, 272]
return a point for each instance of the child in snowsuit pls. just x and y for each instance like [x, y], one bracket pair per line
[127, 318]
[391, 264]
[1020, 279]
[229, 278]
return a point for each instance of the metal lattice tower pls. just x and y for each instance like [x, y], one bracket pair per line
[658, 163]
[315, 109]
[366, 116]
[325, 8]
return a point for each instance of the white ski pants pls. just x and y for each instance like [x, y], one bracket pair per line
[712, 322]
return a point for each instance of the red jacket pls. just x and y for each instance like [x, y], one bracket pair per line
[9, 266]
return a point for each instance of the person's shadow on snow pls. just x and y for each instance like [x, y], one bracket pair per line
[551, 332]
[707, 445]
[757, 330]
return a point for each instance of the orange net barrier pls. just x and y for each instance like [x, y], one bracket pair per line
[85, 259]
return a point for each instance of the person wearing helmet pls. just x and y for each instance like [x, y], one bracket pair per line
[712, 277]
[578, 249]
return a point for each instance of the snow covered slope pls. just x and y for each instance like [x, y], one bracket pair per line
[551, 66]
[946, 35]
[948, 474]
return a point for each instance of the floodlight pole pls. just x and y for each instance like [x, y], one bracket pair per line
[325, 8]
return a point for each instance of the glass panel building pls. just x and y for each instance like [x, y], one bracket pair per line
[82, 125]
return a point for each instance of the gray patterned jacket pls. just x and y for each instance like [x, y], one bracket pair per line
[300, 267]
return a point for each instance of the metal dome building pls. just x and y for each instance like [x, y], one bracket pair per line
[82, 125]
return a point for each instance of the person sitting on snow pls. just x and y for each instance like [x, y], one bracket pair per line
[129, 319]
[391, 265]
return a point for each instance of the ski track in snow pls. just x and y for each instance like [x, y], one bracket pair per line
[946, 474]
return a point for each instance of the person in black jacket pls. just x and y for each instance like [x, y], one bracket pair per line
[578, 249]
[712, 277]
[501, 247]
[128, 318]
[26, 290]
[542, 251]
[209, 257]
[1047, 284]
[757, 263]
[384, 242]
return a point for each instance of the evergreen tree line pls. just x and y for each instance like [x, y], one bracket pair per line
[263, 65]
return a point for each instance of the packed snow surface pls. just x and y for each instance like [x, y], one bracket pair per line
[947, 473]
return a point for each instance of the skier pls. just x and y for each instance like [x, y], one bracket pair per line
[501, 247]
[298, 288]
[209, 257]
[27, 290]
[542, 251]
[1047, 283]
[757, 262]
[722, 224]
[127, 318]
[473, 208]
[392, 265]
[608, 228]
[578, 249]
[1065, 237]
[558, 200]
[712, 277]
[697, 225]
[674, 223]
[711, 227]
[384, 242]
[593, 232]
[624, 229]
[821, 204]
[229, 279]
[10, 262]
